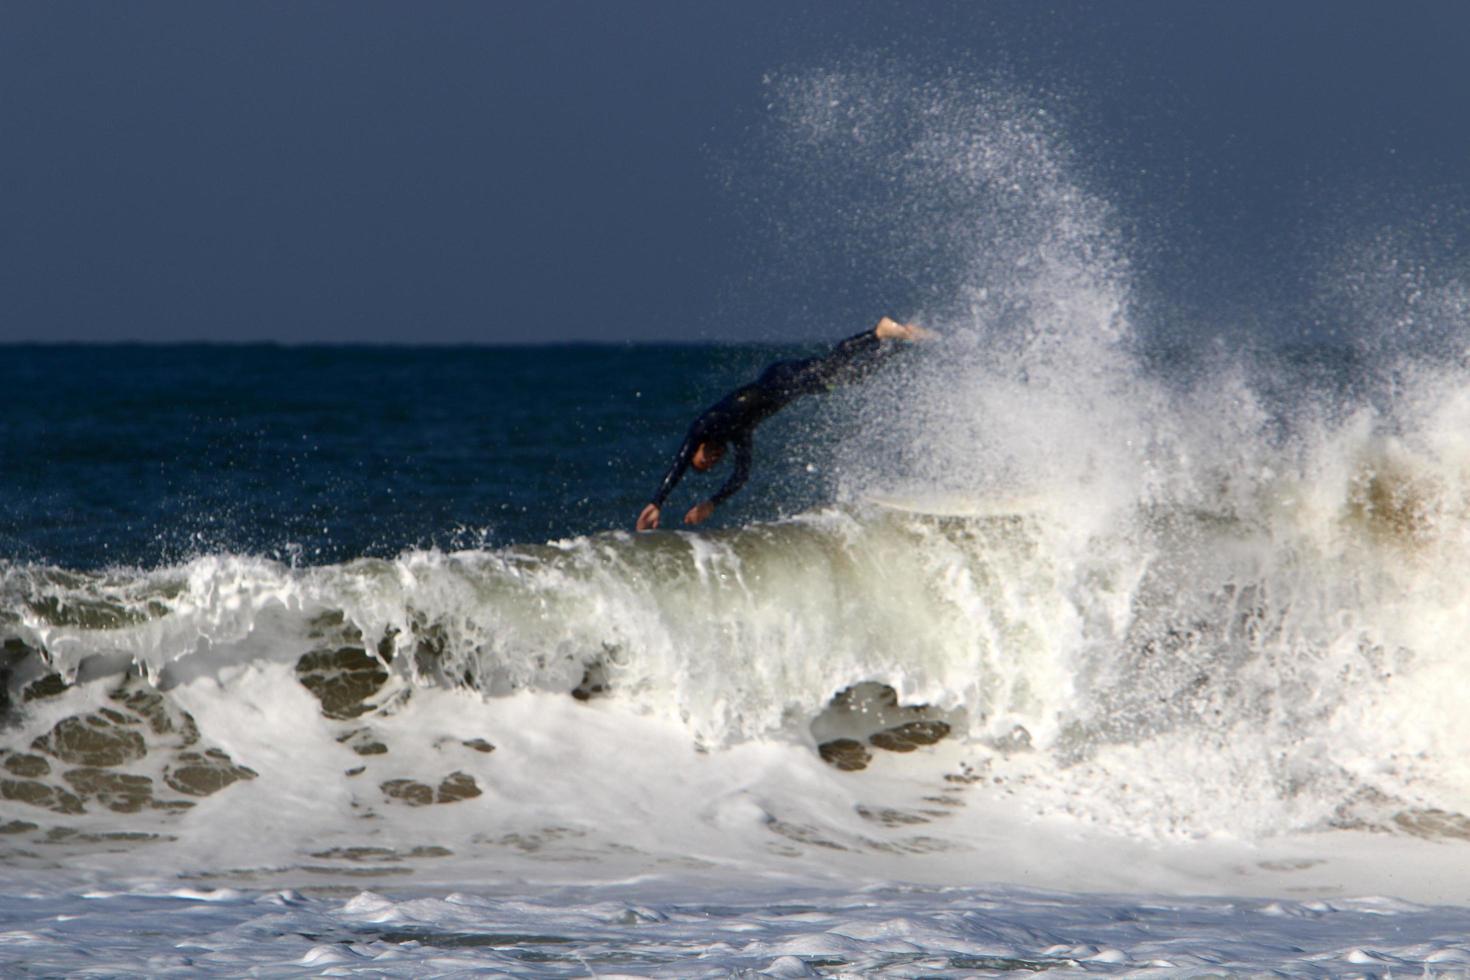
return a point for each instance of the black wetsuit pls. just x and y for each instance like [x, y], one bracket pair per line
[732, 419]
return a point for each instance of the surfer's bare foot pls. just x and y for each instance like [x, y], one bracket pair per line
[890, 329]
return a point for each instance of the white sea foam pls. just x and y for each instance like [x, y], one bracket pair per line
[1278, 680]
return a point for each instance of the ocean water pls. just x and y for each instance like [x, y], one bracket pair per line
[346, 660]
[354, 649]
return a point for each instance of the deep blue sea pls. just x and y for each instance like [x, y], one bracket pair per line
[148, 455]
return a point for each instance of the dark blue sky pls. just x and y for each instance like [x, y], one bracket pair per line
[543, 171]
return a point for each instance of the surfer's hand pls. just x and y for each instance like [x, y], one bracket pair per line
[890, 329]
[699, 513]
[648, 520]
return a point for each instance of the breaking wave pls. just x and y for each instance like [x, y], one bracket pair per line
[1285, 658]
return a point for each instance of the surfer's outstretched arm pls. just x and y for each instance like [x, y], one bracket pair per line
[743, 457]
[675, 473]
[700, 513]
[648, 519]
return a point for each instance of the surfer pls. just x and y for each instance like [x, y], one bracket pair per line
[731, 420]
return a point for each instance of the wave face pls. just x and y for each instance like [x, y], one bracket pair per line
[1176, 672]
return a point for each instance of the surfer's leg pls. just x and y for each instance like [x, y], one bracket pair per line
[850, 360]
[844, 363]
[853, 359]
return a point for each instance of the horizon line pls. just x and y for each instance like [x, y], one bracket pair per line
[397, 344]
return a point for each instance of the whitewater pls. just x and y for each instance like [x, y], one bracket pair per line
[1187, 701]
[499, 759]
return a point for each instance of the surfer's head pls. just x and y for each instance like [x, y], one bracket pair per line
[707, 455]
